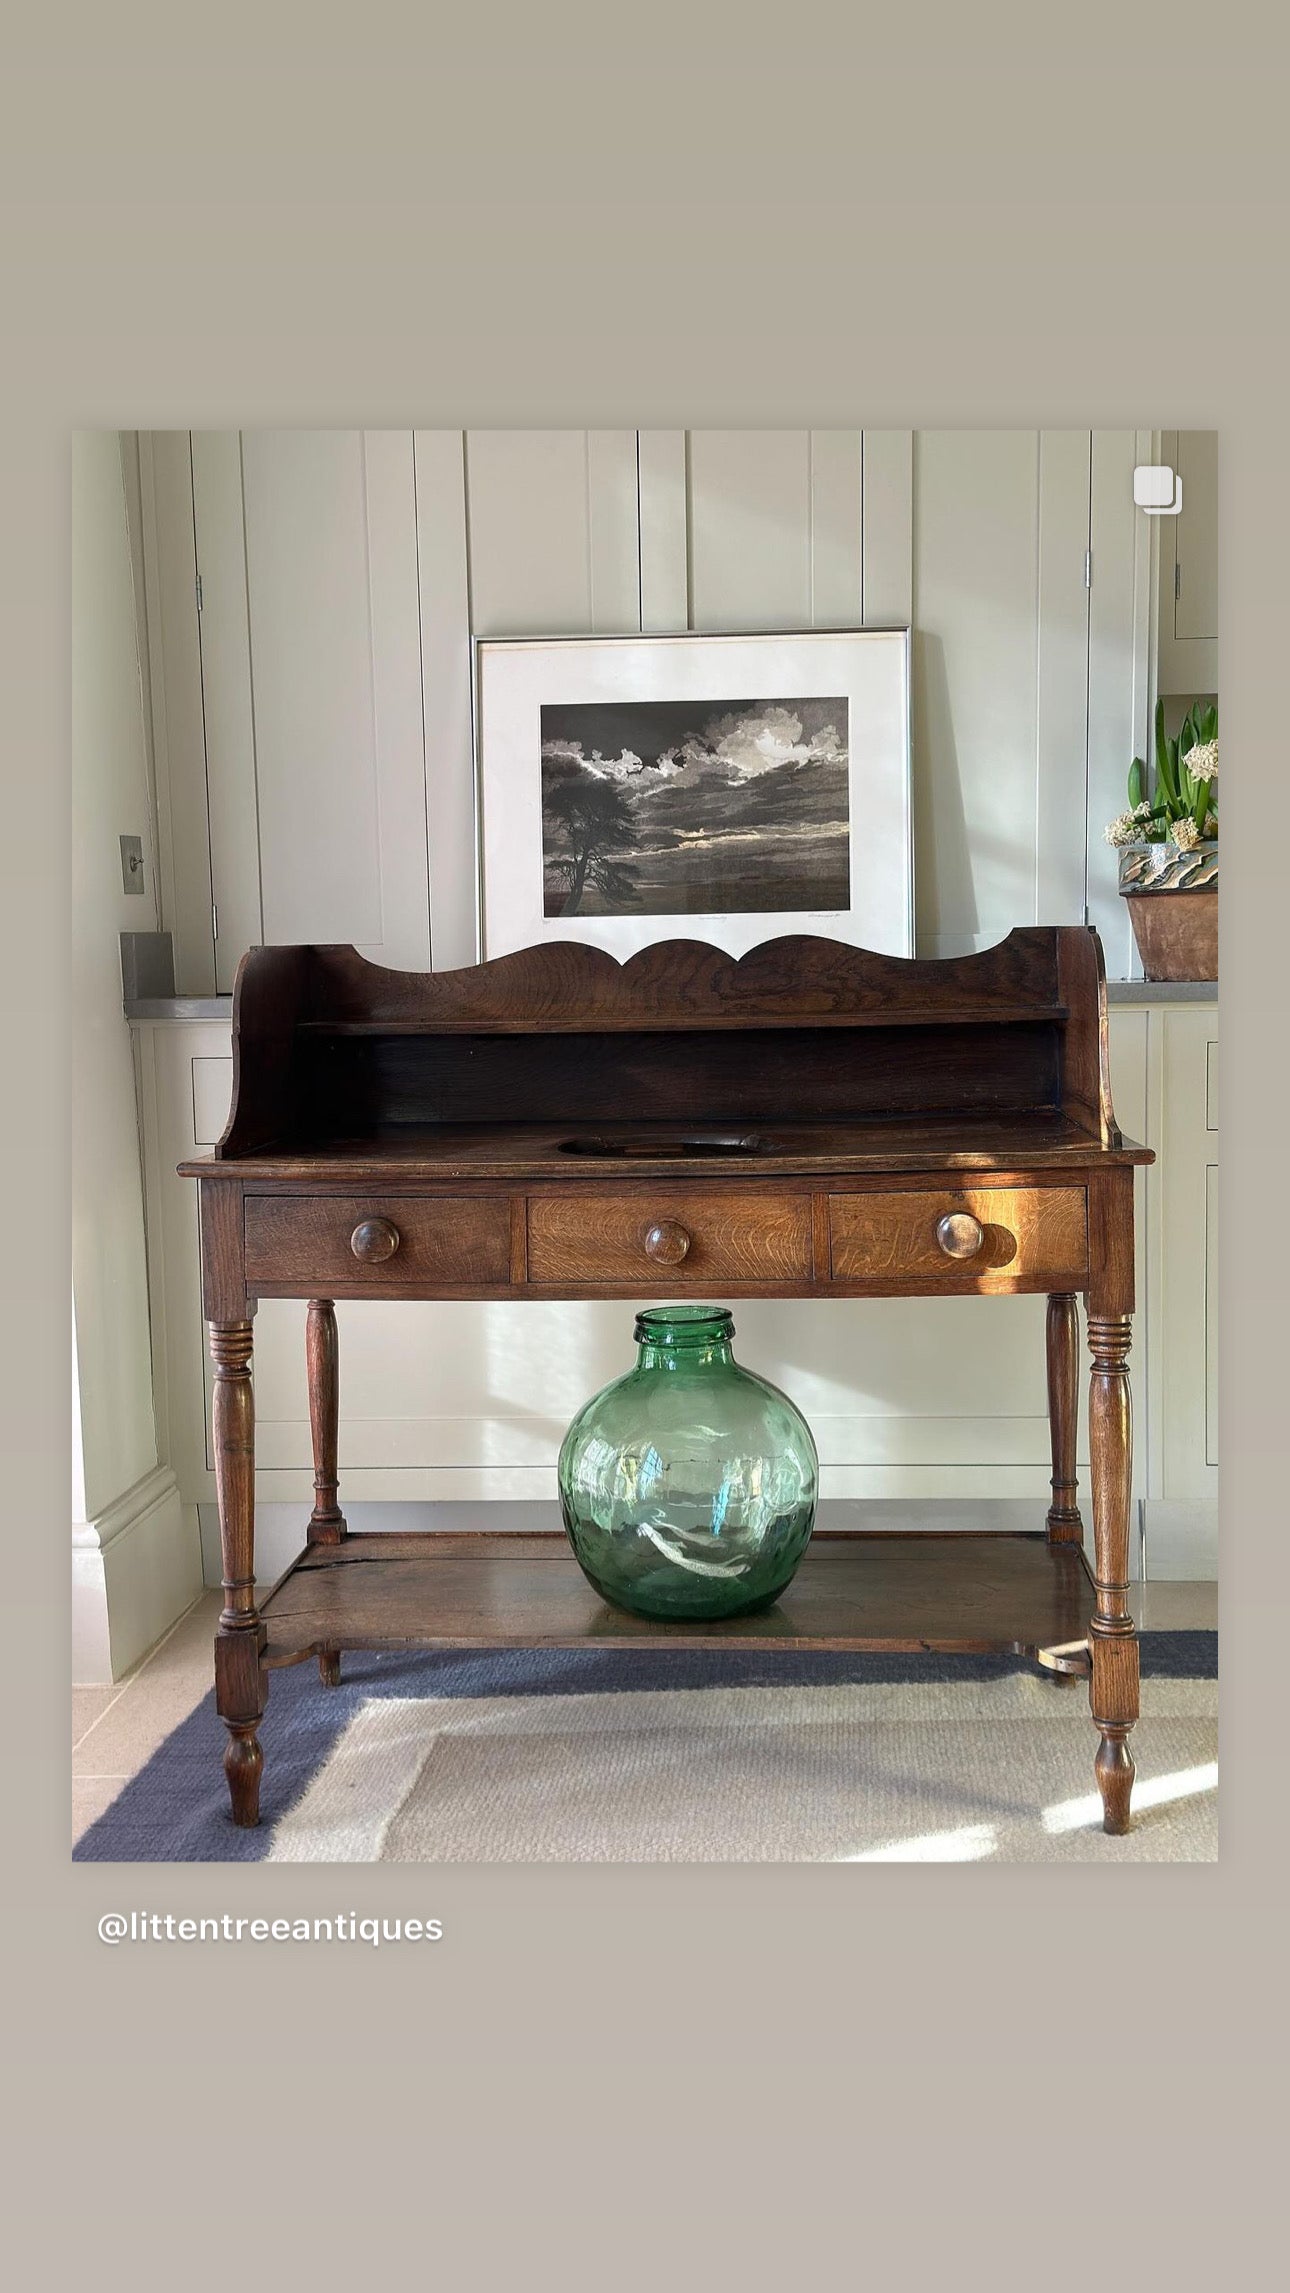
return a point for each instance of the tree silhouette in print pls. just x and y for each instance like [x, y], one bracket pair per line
[709, 807]
[593, 820]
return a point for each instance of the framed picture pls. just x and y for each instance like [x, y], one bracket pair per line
[717, 788]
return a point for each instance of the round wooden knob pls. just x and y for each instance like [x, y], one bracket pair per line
[374, 1239]
[960, 1234]
[667, 1243]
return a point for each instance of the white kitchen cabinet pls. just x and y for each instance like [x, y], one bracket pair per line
[1187, 649]
[1180, 1511]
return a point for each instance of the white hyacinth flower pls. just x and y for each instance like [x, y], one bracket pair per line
[1185, 835]
[1202, 760]
[1123, 830]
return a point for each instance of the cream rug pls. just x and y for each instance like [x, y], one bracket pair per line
[969, 1771]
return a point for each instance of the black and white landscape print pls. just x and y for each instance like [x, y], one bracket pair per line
[695, 807]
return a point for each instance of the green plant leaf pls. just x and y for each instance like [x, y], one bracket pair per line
[1137, 783]
[1166, 782]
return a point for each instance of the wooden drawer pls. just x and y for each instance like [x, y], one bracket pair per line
[1033, 1238]
[311, 1239]
[681, 1238]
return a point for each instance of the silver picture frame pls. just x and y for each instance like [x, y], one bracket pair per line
[726, 788]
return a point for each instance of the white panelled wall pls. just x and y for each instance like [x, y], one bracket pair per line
[313, 722]
[135, 1556]
[312, 725]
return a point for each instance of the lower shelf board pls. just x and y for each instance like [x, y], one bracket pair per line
[498, 1589]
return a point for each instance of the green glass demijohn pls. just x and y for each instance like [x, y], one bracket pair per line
[688, 1487]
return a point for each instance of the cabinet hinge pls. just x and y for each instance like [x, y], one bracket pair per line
[214, 921]
[1088, 569]
[199, 593]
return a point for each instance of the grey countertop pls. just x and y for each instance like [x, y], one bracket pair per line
[152, 1008]
[1162, 991]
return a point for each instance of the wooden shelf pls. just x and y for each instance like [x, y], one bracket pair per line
[922, 1590]
[941, 1015]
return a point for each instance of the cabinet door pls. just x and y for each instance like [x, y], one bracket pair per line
[1188, 620]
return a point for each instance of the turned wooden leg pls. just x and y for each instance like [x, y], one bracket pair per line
[326, 1522]
[1113, 1689]
[1064, 1523]
[241, 1684]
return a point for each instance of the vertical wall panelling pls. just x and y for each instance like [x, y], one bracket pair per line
[1061, 748]
[398, 738]
[836, 529]
[888, 457]
[444, 592]
[336, 668]
[226, 698]
[132, 476]
[750, 529]
[1196, 604]
[1146, 613]
[175, 680]
[529, 497]
[1119, 641]
[975, 684]
[664, 552]
[613, 532]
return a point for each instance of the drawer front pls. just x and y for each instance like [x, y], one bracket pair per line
[672, 1238]
[1032, 1238]
[346, 1240]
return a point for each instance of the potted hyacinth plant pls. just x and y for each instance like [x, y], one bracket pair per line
[1168, 846]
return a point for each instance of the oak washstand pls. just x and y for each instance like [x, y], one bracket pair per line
[811, 1121]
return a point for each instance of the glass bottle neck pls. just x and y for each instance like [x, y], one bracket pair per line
[702, 1353]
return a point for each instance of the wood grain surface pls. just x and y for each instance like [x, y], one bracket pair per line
[496, 1590]
[730, 1236]
[797, 979]
[308, 1238]
[1035, 1238]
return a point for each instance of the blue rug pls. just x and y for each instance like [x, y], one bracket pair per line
[176, 1809]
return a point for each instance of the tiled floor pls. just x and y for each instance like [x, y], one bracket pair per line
[116, 1730]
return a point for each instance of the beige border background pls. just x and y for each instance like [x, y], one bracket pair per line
[572, 215]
